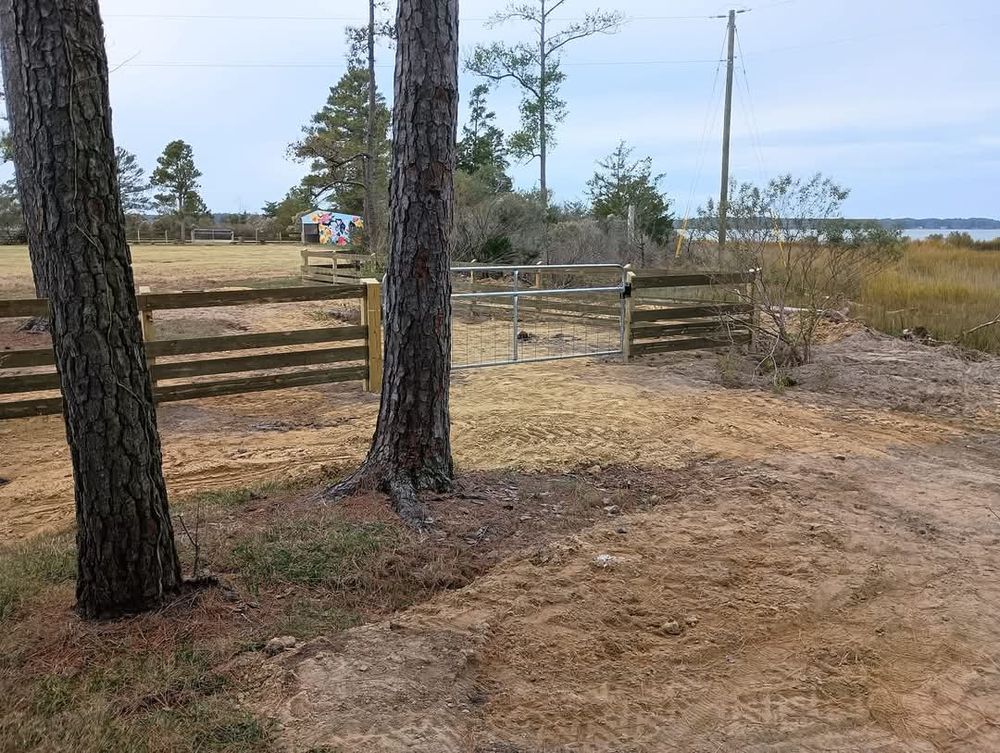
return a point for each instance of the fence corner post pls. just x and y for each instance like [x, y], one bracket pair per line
[371, 317]
[147, 328]
[627, 305]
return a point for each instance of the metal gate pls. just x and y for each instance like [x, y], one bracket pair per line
[508, 314]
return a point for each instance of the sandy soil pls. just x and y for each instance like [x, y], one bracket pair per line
[819, 571]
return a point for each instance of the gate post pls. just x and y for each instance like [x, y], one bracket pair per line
[627, 306]
[147, 327]
[371, 317]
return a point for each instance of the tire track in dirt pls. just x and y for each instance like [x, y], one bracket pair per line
[540, 417]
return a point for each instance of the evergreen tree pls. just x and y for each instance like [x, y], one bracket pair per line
[624, 182]
[534, 67]
[132, 182]
[11, 217]
[481, 151]
[335, 143]
[283, 215]
[177, 176]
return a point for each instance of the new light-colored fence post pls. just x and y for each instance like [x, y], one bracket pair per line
[371, 317]
[627, 305]
[751, 299]
[147, 327]
[538, 277]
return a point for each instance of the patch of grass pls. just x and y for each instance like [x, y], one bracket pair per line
[27, 568]
[240, 496]
[308, 618]
[147, 699]
[334, 555]
[946, 289]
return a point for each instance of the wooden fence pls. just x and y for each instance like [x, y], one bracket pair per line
[360, 346]
[334, 267]
[660, 324]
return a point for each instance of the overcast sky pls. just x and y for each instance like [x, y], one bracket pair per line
[897, 99]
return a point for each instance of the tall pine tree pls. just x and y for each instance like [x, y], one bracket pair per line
[623, 182]
[177, 178]
[481, 151]
[335, 144]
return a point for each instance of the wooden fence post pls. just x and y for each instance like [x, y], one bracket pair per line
[538, 277]
[371, 317]
[751, 293]
[147, 327]
[627, 313]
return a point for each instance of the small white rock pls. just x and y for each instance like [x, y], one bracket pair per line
[605, 560]
[276, 645]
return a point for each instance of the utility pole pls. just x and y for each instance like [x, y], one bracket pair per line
[726, 127]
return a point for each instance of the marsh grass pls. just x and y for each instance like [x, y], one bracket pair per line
[947, 289]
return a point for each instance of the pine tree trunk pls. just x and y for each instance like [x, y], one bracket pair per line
[411, 450]
[372, 227]
[56, 77]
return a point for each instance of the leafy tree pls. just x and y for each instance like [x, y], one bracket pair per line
[810, 260]
[56, 70]
[335, 143]
[535, 69]
[622, 183]
[481, 151]
[177, 176]
[283, 215]
[131, 182]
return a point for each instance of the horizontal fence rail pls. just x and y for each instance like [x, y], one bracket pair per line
[335, 267]
[357, 347]
[666, 325]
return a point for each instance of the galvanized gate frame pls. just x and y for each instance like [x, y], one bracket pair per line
[516, 293]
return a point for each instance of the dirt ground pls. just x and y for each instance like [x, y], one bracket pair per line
[815, 569]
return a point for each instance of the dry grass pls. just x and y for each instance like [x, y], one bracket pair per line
[946, 289]
[178, 267]
[173, 680]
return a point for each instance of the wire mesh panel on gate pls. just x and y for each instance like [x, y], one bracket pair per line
[510, 314]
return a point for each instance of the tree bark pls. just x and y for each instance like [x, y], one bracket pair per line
[56, 77]
[411, 449]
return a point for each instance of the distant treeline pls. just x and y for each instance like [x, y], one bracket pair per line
[937, 223]
[900, 223]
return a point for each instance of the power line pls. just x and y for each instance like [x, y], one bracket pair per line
[353, 19]
[278, 65]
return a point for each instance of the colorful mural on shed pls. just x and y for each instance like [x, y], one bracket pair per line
[334, 228]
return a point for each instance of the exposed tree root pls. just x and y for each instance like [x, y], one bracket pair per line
[402, 487]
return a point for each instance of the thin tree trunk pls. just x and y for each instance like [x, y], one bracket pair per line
[372, 227]
[56, 77]
[542, 140]
[411, 450]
